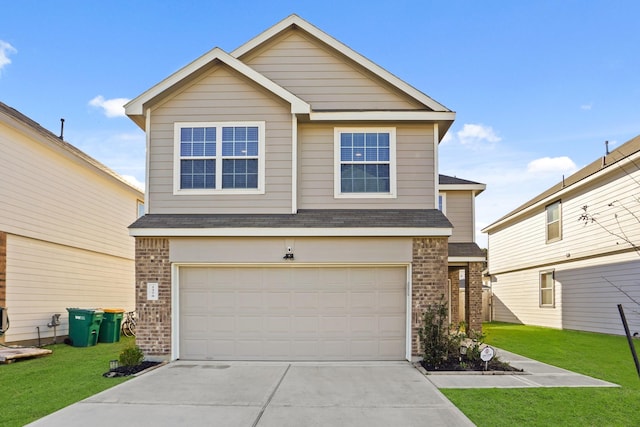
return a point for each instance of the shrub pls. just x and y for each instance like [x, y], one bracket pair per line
[438, 343]
[131, 356]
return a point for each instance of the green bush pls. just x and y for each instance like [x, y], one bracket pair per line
[439, 345]
[131, 356]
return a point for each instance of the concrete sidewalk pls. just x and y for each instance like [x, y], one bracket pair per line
[536, 374]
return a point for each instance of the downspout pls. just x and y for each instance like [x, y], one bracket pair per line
[436, 177]
[294, 163]
[147, 131]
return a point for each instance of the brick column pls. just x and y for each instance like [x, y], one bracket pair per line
[454, 276]
[473, 303]
[153, 330]
[3, 272]
[429, 280]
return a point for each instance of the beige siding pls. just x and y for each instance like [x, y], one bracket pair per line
[50, 195]
[221, 95]
[324, 78]
[516, 299]
[45, 278]
[306, 250]
[523, 244]
[587, 293]
[414, 160]
[460, 213]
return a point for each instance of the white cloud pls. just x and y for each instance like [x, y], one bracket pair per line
[5, 50]
[133, 181]
[477, 134]
[587, 107]
[447, 138]
[546, 165]
[111, 107]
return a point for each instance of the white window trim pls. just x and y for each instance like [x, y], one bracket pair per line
[546, 222]
[444, 201]
[553, 289]
[208, 191]
[337, 181]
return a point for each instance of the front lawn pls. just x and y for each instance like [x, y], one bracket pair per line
[33, 388]
[601, 356]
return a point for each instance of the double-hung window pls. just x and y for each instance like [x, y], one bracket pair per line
[365, 162]
[219, 158]
[547, 289]
[554, 222]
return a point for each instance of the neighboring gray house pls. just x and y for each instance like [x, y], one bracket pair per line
[549, 268]
[292, 206]
[63, 230]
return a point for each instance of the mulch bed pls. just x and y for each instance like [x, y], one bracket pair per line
[455, 365]
[124, 371]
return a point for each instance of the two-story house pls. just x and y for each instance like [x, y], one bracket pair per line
[63, 231]
[569, 256]
[293, 206]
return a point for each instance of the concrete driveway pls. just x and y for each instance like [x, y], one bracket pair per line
[267, 395]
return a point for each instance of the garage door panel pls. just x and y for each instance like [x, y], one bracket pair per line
[292, 313]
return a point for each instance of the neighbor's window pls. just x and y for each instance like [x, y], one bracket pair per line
[140, 206]
[219, 157]
[547, 289]
[554, 223]
[365, 165]
[442, 203]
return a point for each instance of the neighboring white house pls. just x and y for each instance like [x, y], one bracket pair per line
[550, 268]
[63, 230]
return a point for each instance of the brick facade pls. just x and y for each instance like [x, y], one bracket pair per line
[473, 301]
[153, 330]
[454, 277]
[429, 280]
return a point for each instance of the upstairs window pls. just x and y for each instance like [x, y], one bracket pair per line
[219, 158]
[365, 162]
[554, 222]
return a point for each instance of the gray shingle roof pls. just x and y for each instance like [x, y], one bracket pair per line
[465, 250]
[452, 180]
[321, 218]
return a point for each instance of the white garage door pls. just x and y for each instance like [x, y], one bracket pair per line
[292, 313]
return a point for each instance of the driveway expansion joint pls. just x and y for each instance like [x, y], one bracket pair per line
[275, 389]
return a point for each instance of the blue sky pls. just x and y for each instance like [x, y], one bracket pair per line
[538, 86]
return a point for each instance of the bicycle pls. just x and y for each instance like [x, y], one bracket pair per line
[128, 326]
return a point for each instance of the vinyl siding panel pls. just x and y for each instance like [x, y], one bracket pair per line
[51, 195]
[460, 213]
[322, 77]
[587, 294]
[45, 278]
[522, 244]
[516, 299]
[415, 169]
[221, 95]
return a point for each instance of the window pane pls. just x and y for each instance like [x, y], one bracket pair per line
[252, 148]
[383, 154]
[383, 140]
[358, 140]
[197, 174]
[553, 212]
[240, 173]
[553, 231]
[371, 154]
[371, 140]
[346, 140]
[185, 134]
[547, 297]
[346, 154]
[185, 149]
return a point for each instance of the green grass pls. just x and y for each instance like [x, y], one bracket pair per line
[33, 388]
[601, 356]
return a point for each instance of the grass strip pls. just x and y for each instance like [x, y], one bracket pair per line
[606, 357]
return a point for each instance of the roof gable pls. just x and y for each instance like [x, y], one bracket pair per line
[135, 108]
[296, 21]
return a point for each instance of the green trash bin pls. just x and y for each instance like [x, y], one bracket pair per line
[110, 327]
[84, 326]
